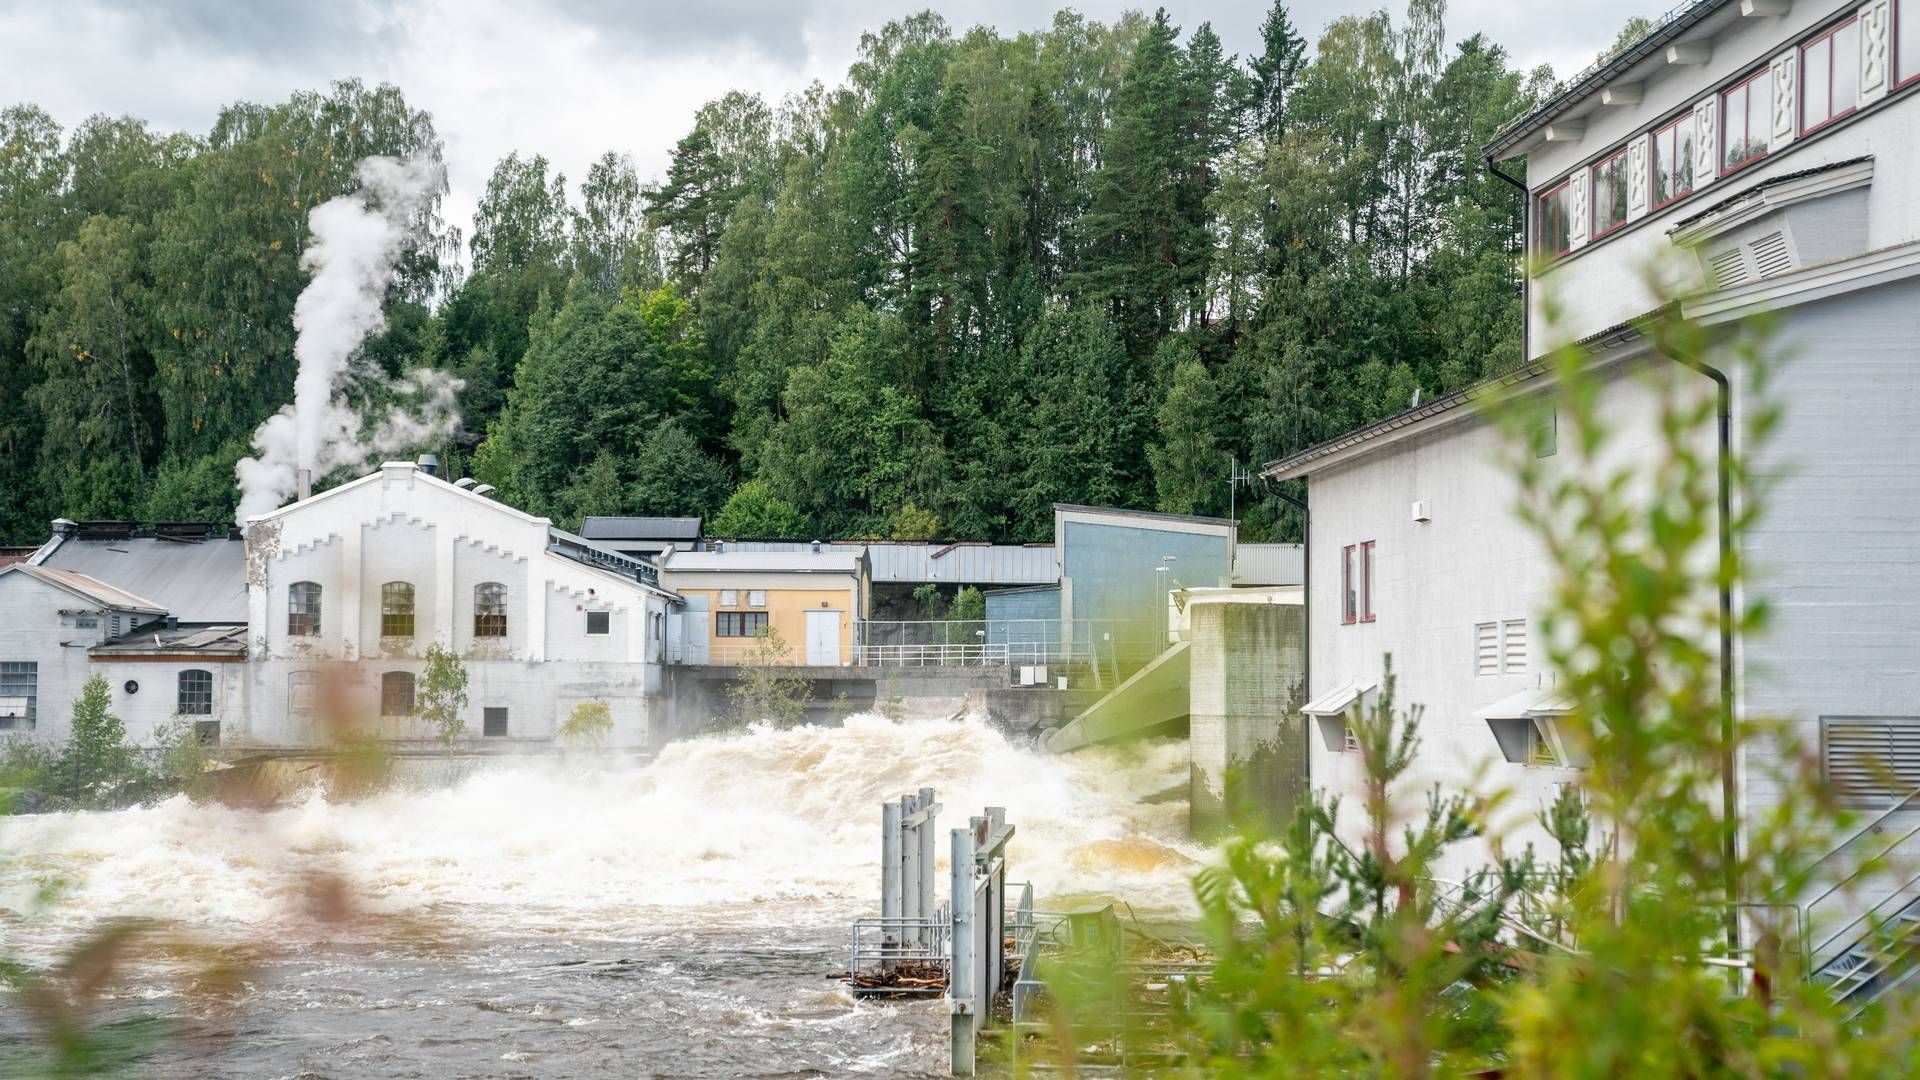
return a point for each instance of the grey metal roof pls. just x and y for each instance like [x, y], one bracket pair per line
[202, 581]
[1151, 515]
[641, 528]
[763, 562]
[1667, 29]
[601, 557]
[78, 584]
[157, 638]
[919, 562]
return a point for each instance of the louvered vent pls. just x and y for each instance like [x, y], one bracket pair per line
[1872, 760]
[1727, 269]
[1486, 649]
[1770, 255]
[1513, 647]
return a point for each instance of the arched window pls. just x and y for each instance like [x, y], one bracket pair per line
[396, 693]
[196, 693]
[396, 609]
[303, 609]
[489, 609]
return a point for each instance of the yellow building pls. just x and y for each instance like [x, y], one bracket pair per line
[813, 601]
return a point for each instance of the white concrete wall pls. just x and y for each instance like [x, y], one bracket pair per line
[1837, 552]
[156, 703]
[33, 630]
[1605, 282]
[1473, 562]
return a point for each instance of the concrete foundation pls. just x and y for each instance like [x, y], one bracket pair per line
[1249, 743]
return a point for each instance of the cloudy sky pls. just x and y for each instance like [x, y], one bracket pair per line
[571, 78]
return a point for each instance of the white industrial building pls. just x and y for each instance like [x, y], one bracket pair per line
[1763, 156]
[322, 616]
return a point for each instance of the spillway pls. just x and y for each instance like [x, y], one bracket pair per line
[554, 918]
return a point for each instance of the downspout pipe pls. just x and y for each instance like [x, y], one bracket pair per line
[1729, 785]
[1526, 230]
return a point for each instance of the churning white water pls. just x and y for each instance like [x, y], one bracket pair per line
[568, 918]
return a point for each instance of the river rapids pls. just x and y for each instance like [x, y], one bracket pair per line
[547, 918]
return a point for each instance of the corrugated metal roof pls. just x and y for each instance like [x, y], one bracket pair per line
[641, 528]
[1268, 564]
[98, 591]
[203, 581]
[765, 562]
[916, 562]
[153, 638]
[1152, 515]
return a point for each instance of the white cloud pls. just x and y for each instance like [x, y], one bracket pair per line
[569, 79]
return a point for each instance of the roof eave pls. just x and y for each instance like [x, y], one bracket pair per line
[1507, 141]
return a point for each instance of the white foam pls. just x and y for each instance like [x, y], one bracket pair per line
[766, 827]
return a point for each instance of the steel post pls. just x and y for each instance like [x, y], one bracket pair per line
[911, 869]
[960, 988]
[889, 870]
[924, 834]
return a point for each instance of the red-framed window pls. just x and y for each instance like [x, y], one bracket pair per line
[1555, 218]
[1746, 110]
[1670, 159]
[1366, 582]
[1608, 187]
[1906, 42]
[1830, 76]
[1349, 587]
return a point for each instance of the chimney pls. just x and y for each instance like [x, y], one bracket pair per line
[430, 464]
[303, 484]
[64, 527]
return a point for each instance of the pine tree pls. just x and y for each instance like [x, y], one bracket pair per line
[1275, 72]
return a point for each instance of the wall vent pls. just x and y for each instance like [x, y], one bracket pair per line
[1513, 647]
[1871, 760]
[1728, 268]
[1770, 255]
[1486, 649]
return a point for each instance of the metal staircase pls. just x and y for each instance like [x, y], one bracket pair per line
[1877, 951]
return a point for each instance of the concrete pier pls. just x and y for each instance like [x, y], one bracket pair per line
[1249, 742]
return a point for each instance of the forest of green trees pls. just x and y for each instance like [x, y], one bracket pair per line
[988, 273]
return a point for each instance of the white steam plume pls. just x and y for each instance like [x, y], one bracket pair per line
[357, 239]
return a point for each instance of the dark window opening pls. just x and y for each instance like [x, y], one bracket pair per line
[1366, 582]
[741, 623]
[196, 693]
[599, 623]
[396, 693]
[303, 609]
[490, 610]
[1556, 220]
[493, 722]
[396, 609]
[19, 694]
[1349, 595]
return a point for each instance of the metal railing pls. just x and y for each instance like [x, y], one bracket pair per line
[881, 942]
[1843, 885]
